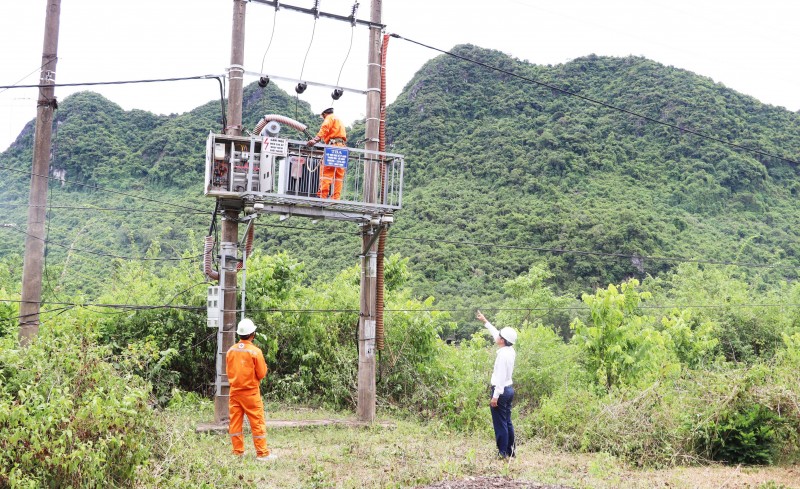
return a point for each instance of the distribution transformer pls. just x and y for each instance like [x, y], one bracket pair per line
[271, 174]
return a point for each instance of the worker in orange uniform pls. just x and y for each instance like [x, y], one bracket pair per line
[331, 132]
[245, 366]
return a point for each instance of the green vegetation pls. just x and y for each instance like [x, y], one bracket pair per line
[71, 413]
[652, 390]
[606, 240]
[514, 167]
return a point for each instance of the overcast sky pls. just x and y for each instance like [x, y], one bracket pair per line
[750, 46]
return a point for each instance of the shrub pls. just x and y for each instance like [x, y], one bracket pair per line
[173, 348]
[740, 416]
[746, 436]
[9, 314]
[460, 396]
[69, 416]
[562, 416]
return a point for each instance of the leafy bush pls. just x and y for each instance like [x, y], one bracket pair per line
[458, 394]
[9, 314]
[562, 416]
[619, 344]
[408, 359]
[747, 436]
[175, 348]
[744, 333]
[741, 415]
[69, 415]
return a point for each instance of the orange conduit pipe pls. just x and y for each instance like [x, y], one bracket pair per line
[379, 330]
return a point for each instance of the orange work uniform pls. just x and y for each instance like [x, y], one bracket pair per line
[245, 366]
[331, 132]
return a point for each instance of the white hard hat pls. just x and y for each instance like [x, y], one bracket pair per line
[246, 327]
[509, 334]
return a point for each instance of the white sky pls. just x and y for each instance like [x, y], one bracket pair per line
[750, 46]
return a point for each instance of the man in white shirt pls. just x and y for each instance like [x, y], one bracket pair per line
[502, 386]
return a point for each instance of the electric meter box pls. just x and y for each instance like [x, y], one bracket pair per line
[239, 165]
[214, 306]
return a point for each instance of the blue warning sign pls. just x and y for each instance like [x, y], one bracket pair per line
[336, 157]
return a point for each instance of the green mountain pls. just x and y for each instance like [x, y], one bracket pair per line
[501, 173]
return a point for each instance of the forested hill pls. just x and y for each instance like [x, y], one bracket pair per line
[498, 160]
[498, 172]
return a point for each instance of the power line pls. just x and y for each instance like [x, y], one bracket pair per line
[100, 253]
[598, 102]
[523, 309]
[113, 306]
[427, 310]
[109, 209]
[466, 243]
[269, 45]
[24, 77]
[119, 82]
[557, 250]
[597, 253]
[103, 189]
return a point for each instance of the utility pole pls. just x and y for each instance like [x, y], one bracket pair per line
[230, 223]
[37, 201]
[366, 322]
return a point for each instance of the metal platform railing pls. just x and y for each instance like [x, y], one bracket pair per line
[279, 174]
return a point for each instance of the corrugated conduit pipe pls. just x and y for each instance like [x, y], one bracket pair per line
[248, 244]
[208, 247]
[280, 119]
[379, 330]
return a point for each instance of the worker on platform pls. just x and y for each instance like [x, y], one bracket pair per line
[245, 366]
[331, 132]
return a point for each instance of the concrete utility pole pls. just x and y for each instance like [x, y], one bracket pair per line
[37, 202]
[230, 223]
[366, 323]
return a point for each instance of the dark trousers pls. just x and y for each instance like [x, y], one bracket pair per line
[501, 419]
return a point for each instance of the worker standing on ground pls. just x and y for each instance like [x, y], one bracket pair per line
[502, 390]
[331, 132]
[245, 366]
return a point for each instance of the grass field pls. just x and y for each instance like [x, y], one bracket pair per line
[398, 454]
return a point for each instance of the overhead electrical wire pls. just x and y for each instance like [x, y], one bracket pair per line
[597, 253]
[45, 269]
[141, 307]
[118, 82]
[269, 45]
[554, 250]
[102, 189]
[57, 311]
[301, 87]
[100, 253]
[16, 83]
[109, 209]
[601, 103]
[352, 31]
[311, 42]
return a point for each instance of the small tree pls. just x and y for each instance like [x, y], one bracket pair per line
[618, 340]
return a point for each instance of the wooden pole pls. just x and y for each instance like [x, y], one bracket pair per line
[366, 324]
[230, 223]
[37, 201]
